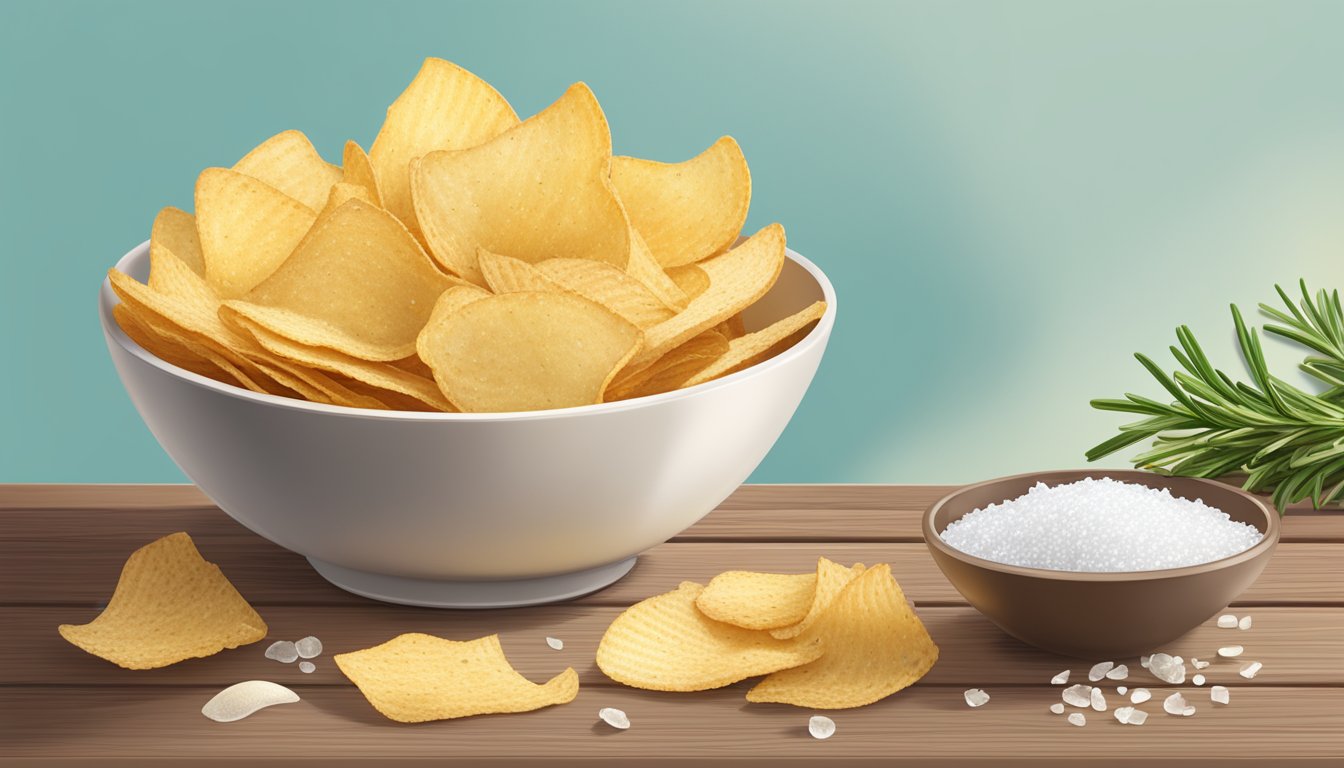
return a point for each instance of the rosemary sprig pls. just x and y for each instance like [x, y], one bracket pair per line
[1286, 441]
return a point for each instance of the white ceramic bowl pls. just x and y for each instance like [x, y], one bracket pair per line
[474, 510]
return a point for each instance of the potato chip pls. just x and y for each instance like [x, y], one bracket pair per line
[691, 279]
[758, 600]
[414, 678]
[736, 280]
[734, 327]
[526, 351]
[875, 646]
[357, 169]
[169, 605]
[670, 371]
[163, 347]
[236, 369]
[686, 211]
[665, 643]
[505, 274]
[368, 308]
[609, 286]
[175, 229]
[444, 108]
[746, 351]
[645, 269]
[340, 193]
[288, 162]
[831, 579]
[247, 227]
[541, 190]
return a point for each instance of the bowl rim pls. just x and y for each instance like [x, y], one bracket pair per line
[1267, 542]
[107, 299]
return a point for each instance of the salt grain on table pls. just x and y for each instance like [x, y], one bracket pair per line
[1219, 694]
[1251, 670]
[1061, 678]
[1077, 719]
[1118, 673]
[1099, 670]
[1122, 690]
[1244, 623]
[1140, 695]
[1137, 717]
[282, 651]
[975, 697]
[1098, 700]
[307, 667]
[1123, 714]
[1078, 695]
[1197, 664]
[1197, 679]
[309, 647]
[555, 643]
[1168, 669]
[1175, 704]
[1230, 651]
[1227, 621]
[1057, 708]
[614, 717]
[821, 727]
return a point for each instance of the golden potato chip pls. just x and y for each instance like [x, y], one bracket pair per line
[288, 162]
[169, 605]
[247, 227]
[875, 646]
[736, 280]
[163, 347]
[665, 643]
[541, 190]
[357, 169]
[505, 274]
[758, 600]
[444, 108]
[670, 371]
[645, 269]
[734, 327]
[175, 229]
[691, 279]
[686, 211]
[414, 364]
[609, 286]
[370, 308]
[414, 678]
[526, 351]
[235, 369]
[831, 579]
[340, 193]
[746, 351]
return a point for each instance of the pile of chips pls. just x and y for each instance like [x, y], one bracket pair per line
[839, 638]
[469, 262]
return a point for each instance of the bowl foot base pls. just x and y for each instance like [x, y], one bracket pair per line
[431, 593]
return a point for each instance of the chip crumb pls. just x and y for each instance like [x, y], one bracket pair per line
[307, 667]
[976, 697]
[1061, 678]
[1251, 670]
[1057, 708]
[614, 717]
[243, 699]
[1219, 694]
[821, 727]
[1077, 719]
[555, 643]
[309, 647]
[1227, 621]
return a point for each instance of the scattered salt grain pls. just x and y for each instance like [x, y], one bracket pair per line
[1175, 704]
[975, 697]
[1197, 679]
[1122, 690]
[309, 647]
[243, 699]
[1057, 708]
[1138, 717]
[307, 667]
[1099, 670]
[1143, 661]
[555, 643]
[1100, 525]
[821, 727]
[1123, 713]
[1197, 664]
[1098, 700]
[282, 651]
[1077, 719]
[1251, 670]
[1227, 621]
[1230, 651]
[1078, 695]
[1119, 673]
[1061, 678]
[1168, 669]
[1219, 694]
[614, 717]
[1244, 623]
[1140, 695]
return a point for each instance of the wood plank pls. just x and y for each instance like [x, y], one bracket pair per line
[921, 726]
[1297, 646]
[100, 496]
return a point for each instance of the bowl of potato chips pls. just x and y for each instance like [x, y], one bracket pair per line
[485, 363]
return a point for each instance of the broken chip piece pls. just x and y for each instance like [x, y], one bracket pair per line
[758, 600]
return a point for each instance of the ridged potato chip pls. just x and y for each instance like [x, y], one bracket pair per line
[415, 678]
[831, 579]
[526, 351]
[246, 227]
[665, 643]
[342, 192]
[367, 308]
[164, 347]
[691, 279]
[646, 270]
[505, 274]
[875, 646]
[175, 229]
[686, 211]
[169, 605]
[444, 108]
[671, 371]
[609, 286]
[541, 190]
[758, 600]
[288, 162]
[357, 169]
[748, 350]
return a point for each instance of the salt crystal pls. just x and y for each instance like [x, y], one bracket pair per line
[975, 697]
[614, 717]
[1251, 670]
[307, 667]
[1100, 525]
[1219, 694]
[1122, 690]
[1138, 717]
[1230, 651]
[821, 727]
[1099, 670]
[1098, 700]
[1175, 704]
[1227, 621]
[1144, 660]
[1197, 664]
[1122, 713]
[1057, 708]
[240, 700]
[309, 647]
[1140, 695]
[1197, 679]
[1168, 669]
[1077, 719]
[1245, 623]
[1078, 695]
[556, 643]
[1061, 678]
[1119, 673]
[282, 651]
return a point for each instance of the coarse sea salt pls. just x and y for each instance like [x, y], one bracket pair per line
[1244, 623]
[1100, 526]
[1118, 673]
[308, 648]
[976, 697]
[1197, 679]
[1230, 651]
[555, 643]
[1057, 708]
[1098, 700]
[614, 717]
[1061, 678]
[1099, 670]
[1251, 670]
[1219, 694]
[307, 667]
[1122, 690]
[1140, 695]
[1078, 695]
[1175, 704]
[821, 727]
[282, 651]
[1077, 719]
[1227, 621]
[1197, 664]
[1168, 669]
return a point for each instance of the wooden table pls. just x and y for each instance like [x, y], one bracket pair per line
[61, 548]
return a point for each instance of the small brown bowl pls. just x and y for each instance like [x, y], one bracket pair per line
[1100, 615]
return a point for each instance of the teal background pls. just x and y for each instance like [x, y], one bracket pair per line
[1011, 197]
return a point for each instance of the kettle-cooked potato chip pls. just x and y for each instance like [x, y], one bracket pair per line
[444, 108]
[288, 162]
[505, 274]
[342, 192]
[752, 348]
[357, 168]
[541, 190]
[415, 678]
[831, 579]
[169, 605]
[665, 643]
[875, 646]
[646, 270]
[672, 370]
[246, 227]
[691, 279]
[526, 351]
[686, 211]
[609, 286]
[175, 229]
[758, 600]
